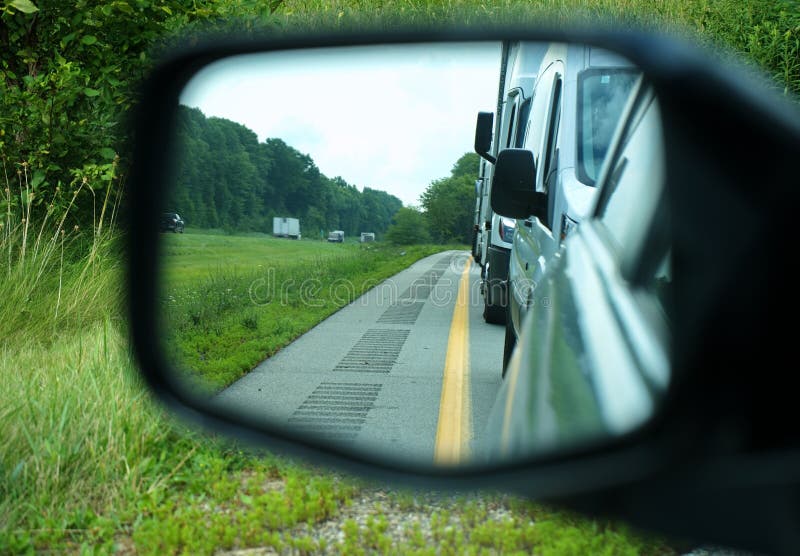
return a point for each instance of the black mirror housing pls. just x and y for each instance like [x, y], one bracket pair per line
[721, 457]
[513, 184]
[483, 135]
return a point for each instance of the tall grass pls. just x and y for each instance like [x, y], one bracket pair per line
[766, 33]
[55, 277]
[71, 415]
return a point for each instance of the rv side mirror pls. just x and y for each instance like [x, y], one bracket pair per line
[513, 183]
[483, 135]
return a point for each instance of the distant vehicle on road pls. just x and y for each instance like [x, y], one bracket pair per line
[171, 221]
[367, 237]
[336, 236]
[286, 227]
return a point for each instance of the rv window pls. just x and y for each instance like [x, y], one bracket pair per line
[524, 111]
[602, 94]
[511, 126]
[552, 131]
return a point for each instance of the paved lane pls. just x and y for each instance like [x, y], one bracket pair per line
[372, 374]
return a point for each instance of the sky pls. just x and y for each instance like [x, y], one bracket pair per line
[392, 117]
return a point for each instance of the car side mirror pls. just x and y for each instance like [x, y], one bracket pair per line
[483, 135]
[513, 186]
[701, 446]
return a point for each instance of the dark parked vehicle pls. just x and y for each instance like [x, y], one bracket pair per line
[172, 222]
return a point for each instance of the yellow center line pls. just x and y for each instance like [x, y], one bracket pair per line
[454, 428]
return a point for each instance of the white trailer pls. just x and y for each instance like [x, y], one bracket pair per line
[519, 64]
[286, 227]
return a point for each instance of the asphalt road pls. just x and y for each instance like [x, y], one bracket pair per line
[409, 370]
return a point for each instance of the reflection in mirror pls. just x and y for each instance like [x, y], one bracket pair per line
[329, 266]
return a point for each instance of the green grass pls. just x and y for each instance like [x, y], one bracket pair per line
[193, 256]
[87, 460]
[89, 464]
[229, 302]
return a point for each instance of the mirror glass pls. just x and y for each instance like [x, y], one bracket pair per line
[331, 265]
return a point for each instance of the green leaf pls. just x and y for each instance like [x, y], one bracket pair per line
[25, 6]
[123, 7]
[67, 39]
[37, 179]
[107, 153]
[89, 39]
[91, 92]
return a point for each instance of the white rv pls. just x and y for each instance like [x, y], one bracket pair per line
[519, 64]
[286, 227]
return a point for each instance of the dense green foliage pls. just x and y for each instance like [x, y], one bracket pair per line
[68, 73]
[227, 179]
[448, 208]
[409, 227]
[449, 203]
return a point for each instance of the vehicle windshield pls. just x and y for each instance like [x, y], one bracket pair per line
[602, 94]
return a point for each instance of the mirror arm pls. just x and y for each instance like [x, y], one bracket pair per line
[483, 136]
[536, 203]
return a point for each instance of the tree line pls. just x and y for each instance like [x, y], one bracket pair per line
[226, 178]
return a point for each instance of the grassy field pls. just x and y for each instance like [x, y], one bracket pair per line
[229, 302]
[197, 254]
[89, 464]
